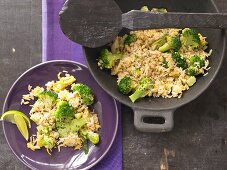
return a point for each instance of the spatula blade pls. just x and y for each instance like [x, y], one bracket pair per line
[91, 23]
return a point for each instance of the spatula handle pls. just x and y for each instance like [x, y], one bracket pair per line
[136, 20]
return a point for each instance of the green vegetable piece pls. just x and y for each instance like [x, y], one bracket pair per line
[67, 126]
[107, 59]
[48, 142]
[37, 90]
[173, 44]
[190, 38]
[145, 9]
[48, 98]
[78, 115]
[141, 90]
[60, 124]
[77, 124]
[86, 148]
[83, 132]
[93, 137]
[191, 71]
[159, 10]
[43, 129]
[64, 132]
[48, 94]
[197, 61]
[129, 39]
[165, 63]
[46, 130]
[203, 42]
[191, 81]
[179, 60]
[125, 85]
[137, 71]
[159, 43]
[64, 110]
[85, 93]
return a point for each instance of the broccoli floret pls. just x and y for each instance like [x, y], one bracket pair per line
[190, 38]
[93, 137]
[77, 124]
[125, 85]
[63, 132]
[62, 123]
[47, 98]
[48, 94]
[191, 71]
[67, 126]
[197, 61]
[63, 127]
[130, 39]
[141, 90]
[159, 10]
[64, 110]
[158, 43]
[179, 60]
[85, 93]
[107, 59]
[173, 44]
[145, 9]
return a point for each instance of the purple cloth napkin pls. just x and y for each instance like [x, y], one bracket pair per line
[57, 46]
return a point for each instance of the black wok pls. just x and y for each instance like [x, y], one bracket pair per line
[160, 107]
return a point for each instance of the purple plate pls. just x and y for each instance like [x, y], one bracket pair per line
[68, 158]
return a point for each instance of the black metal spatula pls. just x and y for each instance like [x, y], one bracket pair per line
[93, 23]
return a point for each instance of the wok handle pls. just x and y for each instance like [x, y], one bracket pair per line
[140, 125]
[136, 20]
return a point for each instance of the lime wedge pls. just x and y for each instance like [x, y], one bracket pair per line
[21, 125]
[9, 117]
